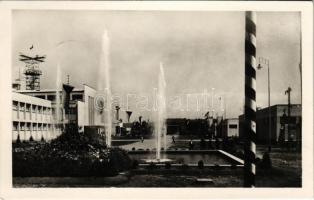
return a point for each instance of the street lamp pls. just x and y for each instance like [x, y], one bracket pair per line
[261, 62]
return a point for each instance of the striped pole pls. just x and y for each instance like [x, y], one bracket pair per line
[250, 97]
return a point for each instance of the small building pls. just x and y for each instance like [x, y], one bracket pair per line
[127, 128]
[230, 127]
[176, 125]
[280, 125]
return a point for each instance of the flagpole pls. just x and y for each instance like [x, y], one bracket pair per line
[250, 99]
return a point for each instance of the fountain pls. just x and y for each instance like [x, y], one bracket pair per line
[104, 86]
[160, 129]
[161, 112]
[179, 157]
[58, 102]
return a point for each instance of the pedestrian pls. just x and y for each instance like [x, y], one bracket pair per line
[191, 145]
[142, 139]
[173, 141]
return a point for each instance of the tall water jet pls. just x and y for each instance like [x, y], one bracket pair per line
[58, 101]
[104, 86]
[161, 112]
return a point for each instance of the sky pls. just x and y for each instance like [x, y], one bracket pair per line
[199, 51]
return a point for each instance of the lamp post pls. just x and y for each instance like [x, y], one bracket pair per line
[264, 61]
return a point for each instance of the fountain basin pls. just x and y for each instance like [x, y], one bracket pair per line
[162, 160]
[189, 157]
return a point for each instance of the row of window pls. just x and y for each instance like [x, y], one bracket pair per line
[24, 126]
[27, 108]
[52, 97]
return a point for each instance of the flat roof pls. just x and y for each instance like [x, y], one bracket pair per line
[46, 90]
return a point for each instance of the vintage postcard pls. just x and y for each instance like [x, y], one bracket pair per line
[156, 99]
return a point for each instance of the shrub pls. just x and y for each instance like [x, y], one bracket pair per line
[233, 166]
[135, 164]
[217, 167]
[266, 161]
[257, 160]
[152, 166]
[185, 166]
[167, 165]
[68, 158]
[200, 164]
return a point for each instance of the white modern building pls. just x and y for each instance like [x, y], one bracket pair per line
[230, 127]
[83, 110]
[35, 112]
[32, 118]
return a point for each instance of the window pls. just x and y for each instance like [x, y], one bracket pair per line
[41, 96]
[15, 104]
[22, 126]
[33, 108]
[28, 107]
[28, 126]
[35, 127]
[22, 106]
[91, 110]
[15, 126]
[51, 97]
[78, 97]
[233, 126]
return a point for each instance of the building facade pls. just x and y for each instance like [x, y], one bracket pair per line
[40, 113]
[230, 127]
[32, 119]
[280, 127]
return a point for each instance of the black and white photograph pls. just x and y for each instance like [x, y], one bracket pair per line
[148, 98]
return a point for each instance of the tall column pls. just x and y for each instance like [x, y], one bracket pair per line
[31, 130]
[31, 112]
[19, 130]
[250, 99]
[18, 110]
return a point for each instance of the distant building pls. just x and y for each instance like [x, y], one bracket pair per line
[230, 127]
[279, 123]
[176, 125]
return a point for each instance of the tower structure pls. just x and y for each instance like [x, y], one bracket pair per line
[32, 71]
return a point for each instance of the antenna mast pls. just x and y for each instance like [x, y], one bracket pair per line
[32, 71]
